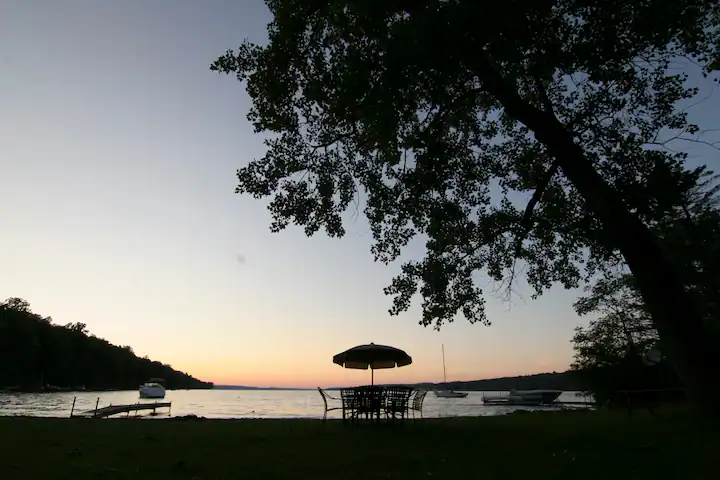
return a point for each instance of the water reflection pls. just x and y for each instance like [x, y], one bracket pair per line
[237, 404]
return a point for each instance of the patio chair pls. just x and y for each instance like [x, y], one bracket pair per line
[350, 404]
[326, 396]
[397, 402]
[417, 402]
[370, 401]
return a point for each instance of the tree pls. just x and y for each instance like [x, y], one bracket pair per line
[691, 234]
[624, 326]
[440, 111]
[16, 304]
[610, 351]
[79, 327]
[35, 354]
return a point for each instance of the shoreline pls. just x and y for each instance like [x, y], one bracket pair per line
[50, 392]
[511, 410]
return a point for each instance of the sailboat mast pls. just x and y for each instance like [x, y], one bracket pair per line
[444, 373]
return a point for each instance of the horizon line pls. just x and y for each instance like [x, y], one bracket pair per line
[394, 383]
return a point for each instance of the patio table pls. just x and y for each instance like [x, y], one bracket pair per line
[372, 401]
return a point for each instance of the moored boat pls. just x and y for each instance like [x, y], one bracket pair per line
[450, 394]
[522, 397]
[447, 393]
[152, 390]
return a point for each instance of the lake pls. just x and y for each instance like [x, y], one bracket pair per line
[239, 403]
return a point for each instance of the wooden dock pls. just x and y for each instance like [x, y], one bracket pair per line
[110, 410]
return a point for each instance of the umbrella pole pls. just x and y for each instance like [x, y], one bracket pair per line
[372, 375]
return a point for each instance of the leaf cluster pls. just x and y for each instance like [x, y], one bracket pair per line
[389, 101]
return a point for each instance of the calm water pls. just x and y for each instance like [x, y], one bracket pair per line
[237, 403]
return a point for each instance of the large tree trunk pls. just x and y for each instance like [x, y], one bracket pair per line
[674, 314]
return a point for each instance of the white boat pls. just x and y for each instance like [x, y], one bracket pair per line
[448, 393]
[152, 390]
[522, 397]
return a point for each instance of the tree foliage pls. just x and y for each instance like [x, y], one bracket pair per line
[35, 353]
[691, 234]
[430, 109]
[610, 351]
[623, 328]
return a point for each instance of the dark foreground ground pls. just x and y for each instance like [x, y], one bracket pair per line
[565, 445]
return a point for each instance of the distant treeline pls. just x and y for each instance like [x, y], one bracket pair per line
[37, 355]
[602, 382]
[568, 381]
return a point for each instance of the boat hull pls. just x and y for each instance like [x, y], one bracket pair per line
[450, 394]
[152, 391]
[523, 397]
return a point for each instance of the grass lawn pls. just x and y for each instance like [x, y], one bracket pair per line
[558, 446]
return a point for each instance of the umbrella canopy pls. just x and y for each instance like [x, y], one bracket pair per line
[373, 357]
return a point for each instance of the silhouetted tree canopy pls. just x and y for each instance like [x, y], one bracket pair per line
[35, 354]
[446, 115]
[624, 327]
[609, 351]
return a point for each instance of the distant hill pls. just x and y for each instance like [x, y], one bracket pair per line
[38, 355]
[566, 381]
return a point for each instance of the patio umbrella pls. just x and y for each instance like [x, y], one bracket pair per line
[373, 357]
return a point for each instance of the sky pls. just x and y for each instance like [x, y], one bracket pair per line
[118, 152]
